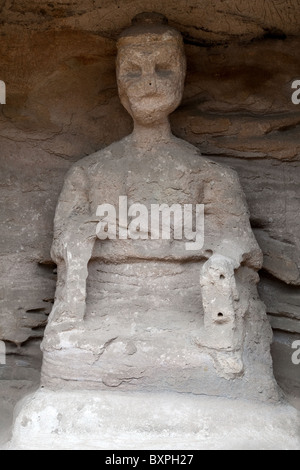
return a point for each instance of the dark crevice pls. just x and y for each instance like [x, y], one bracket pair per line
[257, 223]
[264, 274]
[49, 301]
[202, 43]
[40, 328]
[287, 128]
[274, 33]
[36, 310]
[47, 262]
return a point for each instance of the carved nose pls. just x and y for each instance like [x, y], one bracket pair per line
[150, 83]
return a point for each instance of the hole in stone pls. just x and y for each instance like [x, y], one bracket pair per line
[222, 277]
[220, 315]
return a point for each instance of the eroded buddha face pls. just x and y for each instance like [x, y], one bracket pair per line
[151, 79]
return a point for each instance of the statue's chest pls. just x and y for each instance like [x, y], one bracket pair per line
[163, 181]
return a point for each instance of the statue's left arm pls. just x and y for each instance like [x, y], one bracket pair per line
[229, 237]
[228, 232]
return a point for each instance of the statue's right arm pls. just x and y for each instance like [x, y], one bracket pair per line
[72, 211]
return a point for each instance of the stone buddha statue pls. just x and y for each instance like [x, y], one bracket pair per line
[139, 307]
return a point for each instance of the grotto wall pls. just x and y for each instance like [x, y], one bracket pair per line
[58, 63]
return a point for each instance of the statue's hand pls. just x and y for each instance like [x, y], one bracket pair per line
[220, 264]
[220, 271]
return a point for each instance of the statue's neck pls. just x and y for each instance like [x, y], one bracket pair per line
[147, 136]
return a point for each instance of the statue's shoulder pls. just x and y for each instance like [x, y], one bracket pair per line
[100, 158]
[221, 170]
[196, 159]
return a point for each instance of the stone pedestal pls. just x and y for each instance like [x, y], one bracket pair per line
[130, 421]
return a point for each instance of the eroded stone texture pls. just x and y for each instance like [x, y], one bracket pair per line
[159, 421]
[208, 21]
[62, 104]
[213, 338]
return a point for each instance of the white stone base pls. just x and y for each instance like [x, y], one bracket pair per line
[136, 421]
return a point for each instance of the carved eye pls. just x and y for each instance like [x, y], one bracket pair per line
[133, 71]
[164, 70]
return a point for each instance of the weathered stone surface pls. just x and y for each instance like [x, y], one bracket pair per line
[279, 257]
[285, 371]
[201, 21]
[62, 104]
[282, 300]
[284, 324]
[240, 104]
[217, 341]
[151, 421]
[29, 140]
[273, 198]
[29, 303]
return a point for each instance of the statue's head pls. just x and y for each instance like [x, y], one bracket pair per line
[151, 68]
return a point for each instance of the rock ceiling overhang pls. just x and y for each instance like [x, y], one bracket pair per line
[201, 21]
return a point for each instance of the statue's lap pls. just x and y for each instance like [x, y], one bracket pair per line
[140, 331]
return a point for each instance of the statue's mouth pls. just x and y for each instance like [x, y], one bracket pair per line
[153, 101]
[151, 95]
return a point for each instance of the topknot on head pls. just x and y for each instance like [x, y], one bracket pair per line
[151, 27]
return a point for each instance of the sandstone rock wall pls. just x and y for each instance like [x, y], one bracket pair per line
[58, 62]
